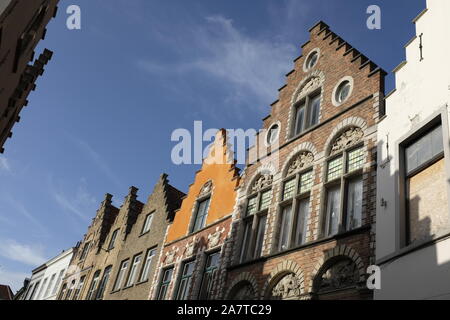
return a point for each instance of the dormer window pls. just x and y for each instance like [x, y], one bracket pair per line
[307, 112]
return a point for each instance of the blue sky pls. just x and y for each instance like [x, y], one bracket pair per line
[103, 113]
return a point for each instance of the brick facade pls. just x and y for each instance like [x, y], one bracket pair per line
[296, 270]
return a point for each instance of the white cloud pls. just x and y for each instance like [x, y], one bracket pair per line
[32, 255]
[21, 209]
[4, 164]
[12, 279]
[254, 68]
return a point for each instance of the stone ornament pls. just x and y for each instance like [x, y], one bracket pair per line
[311, 85]
[190, 248]
[262, 182]
[340, 275]
[287, 288]
[170, 256]
[347, 139]
[301, 161]
[206, 189]
[213, 238]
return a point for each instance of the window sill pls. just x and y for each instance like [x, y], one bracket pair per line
[414, 247]
[141, 282]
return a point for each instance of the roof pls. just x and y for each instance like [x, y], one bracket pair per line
[6, 292]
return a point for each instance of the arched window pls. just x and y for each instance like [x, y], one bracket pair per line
[103, 283]
[92, 289]
[243, 291]
[344, 183]
[255, 214]
[295, 201]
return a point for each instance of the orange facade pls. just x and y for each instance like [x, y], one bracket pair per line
[219, 169]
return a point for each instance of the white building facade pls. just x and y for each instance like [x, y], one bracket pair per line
[413, 176]
[46, 280]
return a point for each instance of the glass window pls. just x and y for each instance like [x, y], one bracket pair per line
[354, 203]
[302, 222]
[314, 111]
[147, 223]
[50, 284]
[103, 283]
[202, 213]
[424, 149]
[246, 239]
[121, 275]
[92, 289]
[272, 135]
[165, 282]
[355, 159]
[260, 236]
[79, 288]
[85, 250]
[300, 119]
[62, 293]
[113, 239]
[134, 270]
[333, 209]
[251, 206]
[212, 263]
[285, 228]
[185, 281]
[58, 282]
[42, 289]
[306, 182]
[334, 169]
[289, 189]
[148, 262]
[343, 91]
[312, 60]
[265, 200]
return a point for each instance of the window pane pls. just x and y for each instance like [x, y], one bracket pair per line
[147, 265]
[285, 224]
[246, 240]
[113, 239]
[355, 159]
[260, 236]
[302, 222]
[208, 276]
[133, 271]
[424, 149]
[299, 119]
[167, 277]
[306, 181]
[147, 223]
[265, 200]
[104, 283]
[121, 275]
[333, 209]
[202, 212]
[251, 206]
[91, 293]
[289, 189]
[334, 169]
[186, 279]
[354, 204]
[314, 110]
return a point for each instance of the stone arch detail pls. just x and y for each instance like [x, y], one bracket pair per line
[339, 251]
[282, 269]
[311, 76]
[243, 277]
[305, 146]
[266, 169]
[344, 124]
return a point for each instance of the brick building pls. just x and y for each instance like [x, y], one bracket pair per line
[192, 264]
[304, 221]
[116, 259]
[22, 25]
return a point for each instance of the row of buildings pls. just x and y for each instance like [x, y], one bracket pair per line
[341, 178]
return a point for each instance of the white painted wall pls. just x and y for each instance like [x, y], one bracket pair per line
[56, 266]
[422, 88]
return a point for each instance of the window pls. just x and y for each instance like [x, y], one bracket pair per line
[148, 262]
[272, 134]
[165, 282]
[85, 250]
[294, 207]
[69, 291]
[121, 275]
[344, 191]
[113, 239]
[103, 283]
[36, 287]
[50, 283]
[134, 270]
[147, 223]
[256, 215]
[58, 282]
[425, 186]
[343, 91]
[311, 60]
[185, 281]
[79, 288]
[41, 291]
[212, 263]
[92, 289]
[62, 293]
[200, 216]
[307, 112]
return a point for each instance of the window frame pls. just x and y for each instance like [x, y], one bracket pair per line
[165, 284]
[196, 212]
[147, 217]
[206, 271]
[294, 201]
[121, 275]
[147, 265]
[182, 278]
[102, 284]
[113, 239]
[92, 294]
[342, 181]
[305, 103]
[134, 268]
